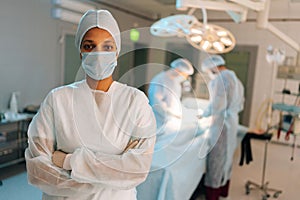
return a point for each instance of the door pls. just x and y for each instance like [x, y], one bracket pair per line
[131, 68]
[242, 61]
[140, 59]
[72, 60]
[122, 72]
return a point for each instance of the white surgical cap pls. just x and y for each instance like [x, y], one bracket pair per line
[212, 62]
[98, 18]
[183, 65]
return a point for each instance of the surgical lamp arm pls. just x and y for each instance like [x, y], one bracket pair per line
[204, 14]
[257, 6]
[241, 6]
[213, 5]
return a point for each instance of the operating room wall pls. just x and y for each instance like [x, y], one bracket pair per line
[248, 34]
[28, 53]
[31, 49]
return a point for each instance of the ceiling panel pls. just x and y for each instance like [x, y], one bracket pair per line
[156, 9]
[153, 9]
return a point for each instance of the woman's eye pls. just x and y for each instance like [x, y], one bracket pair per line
[88, 47]
[108, 47]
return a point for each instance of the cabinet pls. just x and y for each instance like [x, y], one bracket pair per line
[13, 140]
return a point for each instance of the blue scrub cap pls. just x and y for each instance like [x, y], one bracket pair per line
[183, 65]
[98, 18]
[212, 62]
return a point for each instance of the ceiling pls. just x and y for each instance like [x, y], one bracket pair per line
[153, 10]
[148, 9]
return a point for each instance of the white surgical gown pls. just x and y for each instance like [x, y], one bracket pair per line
[164, 96]
[226, 101]
[94, 127]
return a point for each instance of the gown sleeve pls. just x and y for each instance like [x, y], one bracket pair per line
[158, 98]
[124, 171]
[218, 101]
[41, 144]
[164, 101]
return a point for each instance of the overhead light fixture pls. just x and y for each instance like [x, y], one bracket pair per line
[221, 33]
[238, 10]
[196, 31]
[226, 41]
[196, 38]
[66, 15]
[206, 37]
[74, 5]
[215, 39]
[175, 25]
[205, 45]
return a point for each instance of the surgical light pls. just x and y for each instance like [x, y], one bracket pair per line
[196, 38]
[215, 39]
[196, 31]
[219, 46]
[238, 10]
[206, 37]
[205, 45]
[222, 33]
[176, 25]
[226, 41]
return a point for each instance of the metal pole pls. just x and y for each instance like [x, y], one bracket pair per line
[264, 165]
[294, 146]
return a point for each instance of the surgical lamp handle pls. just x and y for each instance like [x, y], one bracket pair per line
[204, 15]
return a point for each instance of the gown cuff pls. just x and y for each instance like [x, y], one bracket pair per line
[67, 164]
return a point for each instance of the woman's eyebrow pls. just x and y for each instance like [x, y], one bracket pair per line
[90, 41]
[108, 41]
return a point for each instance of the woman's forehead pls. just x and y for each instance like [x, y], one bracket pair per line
[97, 34]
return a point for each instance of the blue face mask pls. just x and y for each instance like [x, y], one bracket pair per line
[211, 75]
[99, 65]
[186, 86]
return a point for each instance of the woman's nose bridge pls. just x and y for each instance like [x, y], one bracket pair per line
[98, 47]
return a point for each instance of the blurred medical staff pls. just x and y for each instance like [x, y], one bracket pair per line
[226, 101]
[165, 91]
[92, 139]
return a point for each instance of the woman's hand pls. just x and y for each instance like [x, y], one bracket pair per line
[58, 158]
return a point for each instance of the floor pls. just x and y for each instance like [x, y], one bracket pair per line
[282, 173]
[15, 186]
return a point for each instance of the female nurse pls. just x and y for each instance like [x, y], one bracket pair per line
[92, 139]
